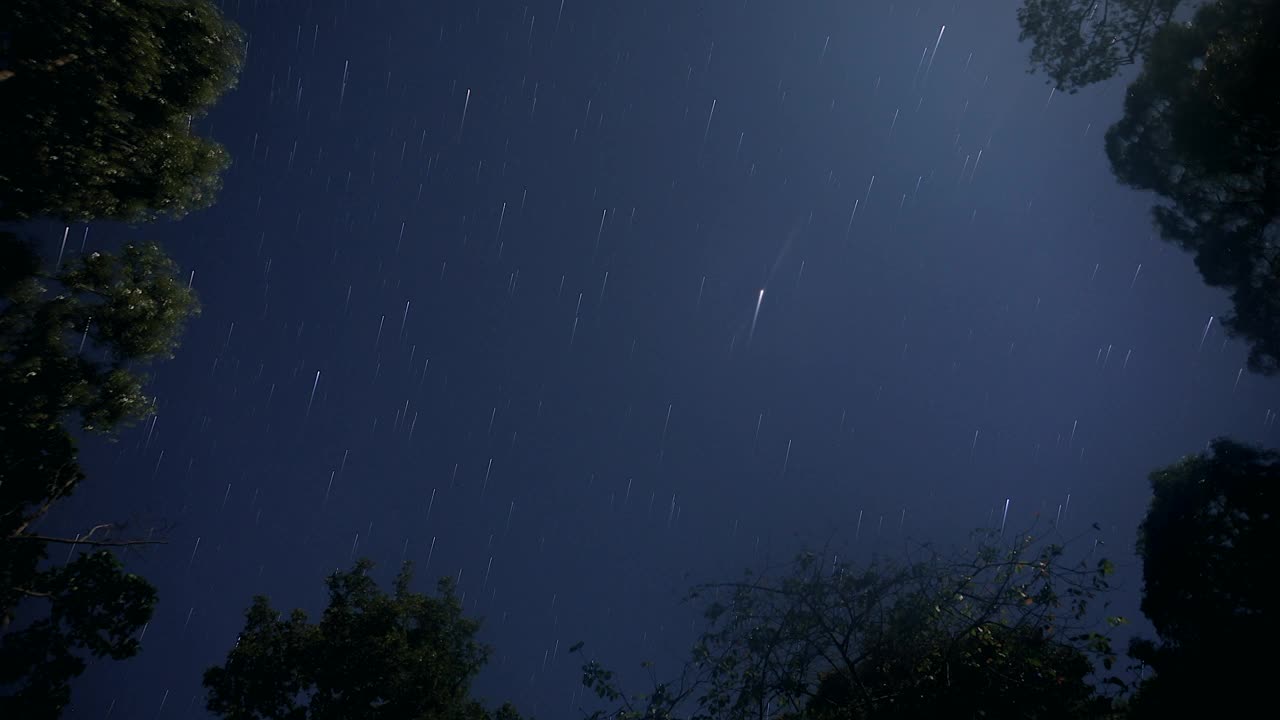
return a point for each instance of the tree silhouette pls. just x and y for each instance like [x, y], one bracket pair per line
[372, 655]
[1201, 129]
[1003, 632]
[1077, 43]
[97, 99]
[1207, 545]
[71, 346]
[89, 606]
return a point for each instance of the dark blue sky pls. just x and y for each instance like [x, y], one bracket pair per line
[481, 291]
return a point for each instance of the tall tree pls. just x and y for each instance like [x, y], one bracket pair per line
[1077, 43]
[1003, 632]
[1207, 546]
[97, 99]
[72, 346]
[1201, 129]
[372, 655]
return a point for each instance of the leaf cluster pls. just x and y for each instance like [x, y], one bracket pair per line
[97, 99]
[372, 655]
[1077, 43]
[1201, 129]
[1007, 631]
[90, 607]
[71, 347]
[1207, 544]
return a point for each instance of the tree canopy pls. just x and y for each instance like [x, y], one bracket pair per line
[72, 345]
[372, 655]
[1201, 129]
[1207, 545]
[1077, 43]
[89, 606]
[1005, 632]
[97, 99]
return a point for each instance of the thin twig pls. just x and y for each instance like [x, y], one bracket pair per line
[91, 543]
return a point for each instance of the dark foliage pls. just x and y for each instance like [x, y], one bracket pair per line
[71, 344]
[1207, 546]
[1077, 43]
[371, 656]
[1002, 633]
[97, 99]
[1201, 129]
[89, 607]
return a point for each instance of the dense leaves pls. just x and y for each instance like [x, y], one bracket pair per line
[1201, 129]
[371, 656]
[87, 607]
[1207, 546]
[97, 99]
[1004, 632]
[71, 346]
[1077, 43]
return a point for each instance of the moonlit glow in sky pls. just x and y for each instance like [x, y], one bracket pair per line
[575, 209]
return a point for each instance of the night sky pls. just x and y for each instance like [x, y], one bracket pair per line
[583, 302]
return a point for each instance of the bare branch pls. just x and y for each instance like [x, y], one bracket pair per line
[91, 543]
[62, 490]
